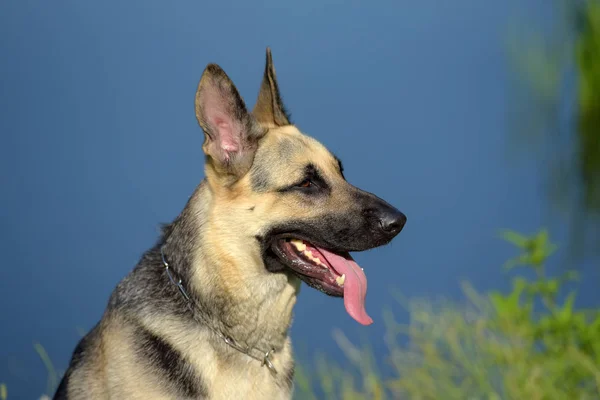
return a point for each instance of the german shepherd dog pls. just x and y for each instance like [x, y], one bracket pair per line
[206, 312]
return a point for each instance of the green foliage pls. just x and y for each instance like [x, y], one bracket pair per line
[524, 344]
[588, 62]
[556, 113]
[53, 376]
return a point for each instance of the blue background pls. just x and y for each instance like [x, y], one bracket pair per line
[99, 144]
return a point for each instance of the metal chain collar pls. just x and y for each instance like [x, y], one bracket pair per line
[264, 358]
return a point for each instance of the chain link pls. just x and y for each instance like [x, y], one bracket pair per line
[265, 357]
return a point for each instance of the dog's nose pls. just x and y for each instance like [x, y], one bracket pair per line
[387, 218]
[392, 221]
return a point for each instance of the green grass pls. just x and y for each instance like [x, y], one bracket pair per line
[521, 345]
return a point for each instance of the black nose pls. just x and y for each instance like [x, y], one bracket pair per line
[392, 221]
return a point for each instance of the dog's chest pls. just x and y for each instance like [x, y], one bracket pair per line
[249, 385]
[240, 377]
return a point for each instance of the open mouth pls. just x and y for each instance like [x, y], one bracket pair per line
[335, 274]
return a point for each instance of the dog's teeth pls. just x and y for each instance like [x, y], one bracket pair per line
[298, 244]
[316, 260]
[341, 279]
[308, 254]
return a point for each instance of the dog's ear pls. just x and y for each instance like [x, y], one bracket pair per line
[269, 109]
[231, 133]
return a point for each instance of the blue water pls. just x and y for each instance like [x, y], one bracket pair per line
[99, 144]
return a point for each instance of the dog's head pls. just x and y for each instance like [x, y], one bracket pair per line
[281, 196]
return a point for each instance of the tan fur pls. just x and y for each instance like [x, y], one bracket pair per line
[226, 214]
[228, 262]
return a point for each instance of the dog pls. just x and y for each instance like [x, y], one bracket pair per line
[206, 312]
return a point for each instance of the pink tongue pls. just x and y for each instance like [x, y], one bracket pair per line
[355, 286]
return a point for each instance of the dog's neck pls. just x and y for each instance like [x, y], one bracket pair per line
[252, 308]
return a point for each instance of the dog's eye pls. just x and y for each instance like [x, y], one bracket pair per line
[311, 183]
[306, 184]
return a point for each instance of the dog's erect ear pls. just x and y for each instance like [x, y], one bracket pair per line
[269, 109]
[230, 131]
